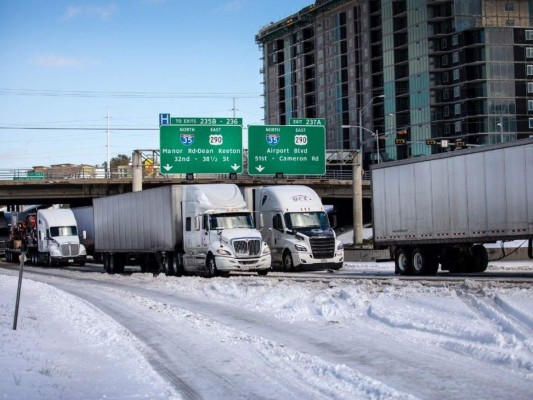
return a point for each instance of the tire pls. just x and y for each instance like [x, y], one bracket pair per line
[168, 264]
[479, 258]
[286, 262]
[105, 262]
[424, 262]
[263, 272]
[403, 261]
[111, 263]
[210, 267]
[177, 266]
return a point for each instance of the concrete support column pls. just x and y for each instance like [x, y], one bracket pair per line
[357, 180]
[136, 171]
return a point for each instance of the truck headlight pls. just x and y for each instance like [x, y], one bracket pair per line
[223, 252]
[340, 246]
[266, 249]
[54, 251]
[299, 247]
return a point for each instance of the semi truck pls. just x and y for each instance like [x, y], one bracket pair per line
[48, 236]
[441, 209]
[295, 227]
[177, 229]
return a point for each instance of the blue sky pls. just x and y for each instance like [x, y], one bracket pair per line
[64, 64]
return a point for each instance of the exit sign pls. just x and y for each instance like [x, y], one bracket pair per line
[291, 150]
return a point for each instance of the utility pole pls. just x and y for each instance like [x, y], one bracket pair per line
[108, 172]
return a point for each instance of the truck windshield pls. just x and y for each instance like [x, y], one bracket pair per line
[307, 220]
[63, 231]
[231, 221]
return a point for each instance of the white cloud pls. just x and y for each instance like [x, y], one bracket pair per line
[102, 12]
[57, 61]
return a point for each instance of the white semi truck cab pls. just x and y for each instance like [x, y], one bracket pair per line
[224, 238]
[57, 238]
[296, 227]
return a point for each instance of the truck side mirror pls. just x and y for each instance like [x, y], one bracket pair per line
[261, 221]
[333, 221]
[84, 235]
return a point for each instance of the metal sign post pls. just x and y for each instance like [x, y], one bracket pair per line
[22, 258]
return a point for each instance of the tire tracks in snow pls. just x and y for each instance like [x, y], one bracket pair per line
[510, 344]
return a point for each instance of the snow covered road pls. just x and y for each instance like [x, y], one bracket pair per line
[260, 338]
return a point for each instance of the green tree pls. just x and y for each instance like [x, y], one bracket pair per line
[115, 162]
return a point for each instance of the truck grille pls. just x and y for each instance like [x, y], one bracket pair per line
[70, 249]
[323, 247]
[247, 247]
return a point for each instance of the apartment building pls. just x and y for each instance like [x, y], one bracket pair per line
[413, 75]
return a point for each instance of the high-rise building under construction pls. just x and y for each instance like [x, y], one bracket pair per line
[418, 76]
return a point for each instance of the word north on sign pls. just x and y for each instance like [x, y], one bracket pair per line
[201, 149]
[291, 150]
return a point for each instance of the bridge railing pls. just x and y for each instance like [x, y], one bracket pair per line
[341, 174]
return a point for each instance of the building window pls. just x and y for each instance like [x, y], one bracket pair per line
[446, 111]
[530, 87]
[529, 52]
[455, 57]
[445, 95]
[444, 43]
[445, 77]
[529, 35]
[458, 126]
[455, 40]
[509, 6]
[510, 22]
[445, 60]
[456, 91]
[530, 70]
[456, 74]
[457, 109]
[530, 123]
[530, 105]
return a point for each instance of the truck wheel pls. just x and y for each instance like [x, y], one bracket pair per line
[262, 272]
[210, 267]
[177, 266]
[286, 262]
[480, 258]
[424, 262]
[403, 261]
[168, 265]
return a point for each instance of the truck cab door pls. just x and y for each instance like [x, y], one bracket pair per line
[276, 237]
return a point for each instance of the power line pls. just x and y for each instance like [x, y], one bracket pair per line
[77, 128]
[133, 95]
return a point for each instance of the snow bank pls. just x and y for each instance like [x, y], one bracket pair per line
[64, 348]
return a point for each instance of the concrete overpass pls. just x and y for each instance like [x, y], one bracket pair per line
[82, 191]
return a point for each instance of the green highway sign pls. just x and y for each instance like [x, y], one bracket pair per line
[308, 121]
[200, 149]
[205, 121]
[30, 176]
[292, 150]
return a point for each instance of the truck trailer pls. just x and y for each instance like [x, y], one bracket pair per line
[48, 236]
[296, 227]
[441, 209]
[177, 229]
[85, 222]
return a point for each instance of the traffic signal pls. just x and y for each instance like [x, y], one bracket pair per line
[431, 142]
[400, 141]
[460, 143]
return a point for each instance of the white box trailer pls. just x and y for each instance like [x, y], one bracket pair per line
[180, 228]
[85, 221]
[442, 208]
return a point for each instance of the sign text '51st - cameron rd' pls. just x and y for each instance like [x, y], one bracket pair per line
[207, 149]
[292, 150]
